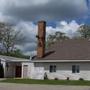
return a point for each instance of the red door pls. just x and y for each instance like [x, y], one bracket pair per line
[18, 71]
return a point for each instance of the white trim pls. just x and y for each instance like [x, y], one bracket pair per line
[13, 59]
[18, 61]
[60, 60]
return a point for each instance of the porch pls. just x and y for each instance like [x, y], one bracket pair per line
[13, 70]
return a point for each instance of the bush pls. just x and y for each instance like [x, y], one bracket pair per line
[67, 78]
[45, 76]
[81, 79]
[56, 79]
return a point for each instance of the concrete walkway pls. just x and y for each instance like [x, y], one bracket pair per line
[9, 86]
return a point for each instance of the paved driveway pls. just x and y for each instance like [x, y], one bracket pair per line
[8, 86]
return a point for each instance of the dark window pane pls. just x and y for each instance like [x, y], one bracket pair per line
[52, 68]
[78, 69]
[73, 68]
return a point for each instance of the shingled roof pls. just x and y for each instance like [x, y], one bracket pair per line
[73, 49]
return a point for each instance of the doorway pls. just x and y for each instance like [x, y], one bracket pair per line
[25, 71]
[18, 71]
[1, 71]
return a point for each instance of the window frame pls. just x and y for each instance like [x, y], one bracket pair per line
[52, 68]
[75, 68]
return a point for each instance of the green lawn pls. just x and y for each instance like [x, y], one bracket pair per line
[49, 82]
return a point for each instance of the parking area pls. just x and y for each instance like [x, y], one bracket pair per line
[9, 86]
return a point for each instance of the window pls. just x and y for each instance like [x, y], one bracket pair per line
[7, 66]
[75, 69]
[52, 68]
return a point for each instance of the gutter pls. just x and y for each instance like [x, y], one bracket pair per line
[47, 61]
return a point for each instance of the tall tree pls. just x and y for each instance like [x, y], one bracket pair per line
[60, 36]
[51, 39]
[9, 37]
[84, 31]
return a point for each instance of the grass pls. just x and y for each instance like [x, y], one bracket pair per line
[48, 82]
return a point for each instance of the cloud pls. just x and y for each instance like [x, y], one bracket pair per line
[62, 26]
[23, 12]
[43, 9]
[29, 30]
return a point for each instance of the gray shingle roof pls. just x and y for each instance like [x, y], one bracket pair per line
[69, 50]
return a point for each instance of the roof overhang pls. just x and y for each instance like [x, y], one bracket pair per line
[15, 61]
[47, 61]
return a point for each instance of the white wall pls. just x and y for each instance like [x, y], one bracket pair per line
[63, 71]
[10, 71]
[30, 71]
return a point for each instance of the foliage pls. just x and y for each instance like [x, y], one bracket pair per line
[15, 54]
[56, 79]
[9, 37]
[45, 76]
[68, 78]
[51, 39]
[84, 31]
[81, 79]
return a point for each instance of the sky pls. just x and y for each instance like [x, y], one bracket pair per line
[60, 15]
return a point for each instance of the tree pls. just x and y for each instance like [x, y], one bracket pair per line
[51, 39]
[60, 36]
[9, 37]
[84, 31]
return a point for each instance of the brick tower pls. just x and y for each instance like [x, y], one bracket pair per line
[41, 39]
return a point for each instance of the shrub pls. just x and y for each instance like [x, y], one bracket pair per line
[68, 78]
[45, 76]
[81, 79]
[56, 79]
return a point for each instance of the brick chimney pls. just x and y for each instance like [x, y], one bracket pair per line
[41, 39]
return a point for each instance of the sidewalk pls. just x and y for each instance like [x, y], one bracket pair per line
[10, 86]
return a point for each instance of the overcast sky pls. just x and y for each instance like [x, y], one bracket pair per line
[61, 15]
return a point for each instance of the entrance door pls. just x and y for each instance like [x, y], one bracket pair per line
[25, 71]
[1, 71]
[18, 71]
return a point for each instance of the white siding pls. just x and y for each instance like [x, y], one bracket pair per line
[25, 71]
[30, 71]
[63, 71]
[10, 72]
